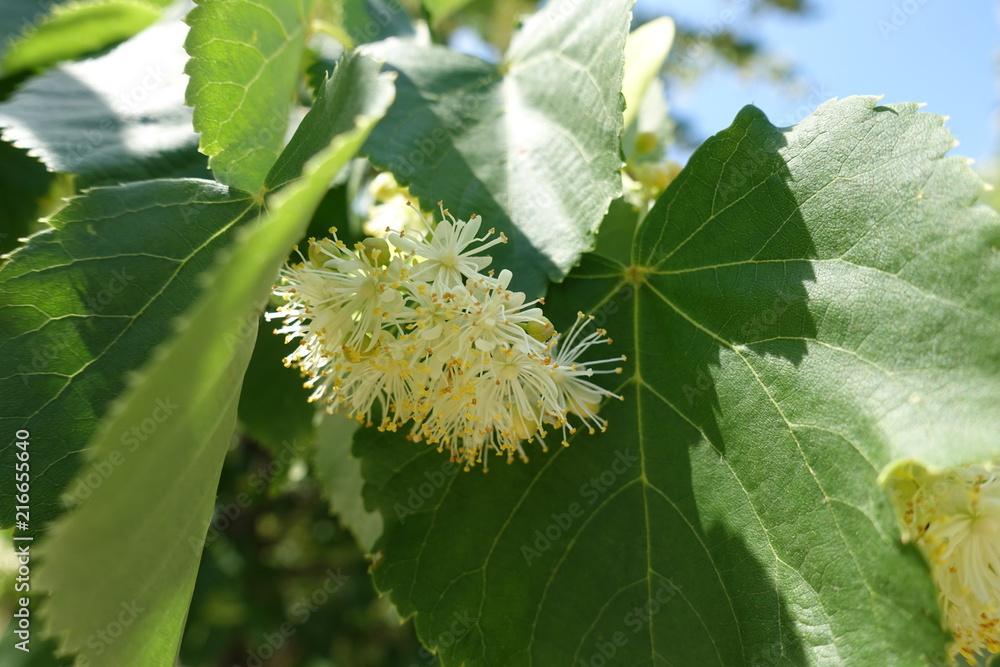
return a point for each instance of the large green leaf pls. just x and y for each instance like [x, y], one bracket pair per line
[532, 145]
[244, 68]
[803, 306]
[116, 118]
[339, 474]
[368, 21]
[274, 406]
[86, 302]
[150, 513]
[24, 183]
[17, 15]
[75, 29]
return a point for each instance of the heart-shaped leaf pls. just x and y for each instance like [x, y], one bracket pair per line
[803, 306]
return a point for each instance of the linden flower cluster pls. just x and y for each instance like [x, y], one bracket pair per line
[410, 328]
[954, 517]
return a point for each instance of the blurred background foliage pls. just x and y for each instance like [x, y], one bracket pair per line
[275, 544]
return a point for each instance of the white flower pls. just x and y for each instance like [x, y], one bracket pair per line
[578, 395]
[446, 255]
[954, 517]
[347, 297]
[498, 317]
[415, 333]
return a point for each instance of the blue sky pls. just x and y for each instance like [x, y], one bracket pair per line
[933, 51]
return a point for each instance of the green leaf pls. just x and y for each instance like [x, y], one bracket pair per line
[339, 101]
[367, 21]
[75, 29]
[116, 118]
[274, 405]
[339, 474]
[617, 229]
[86, 302]
[803, 307]
[150, 514]
[504, 143]
[24, 182]
[244, 68]
[18, 15]
[442, 9]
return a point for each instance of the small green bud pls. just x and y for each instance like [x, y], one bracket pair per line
[540, 331]
[377, 250]
[320, 252]
[525, 426]
[646, 142]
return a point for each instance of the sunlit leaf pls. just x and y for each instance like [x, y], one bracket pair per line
[502, 141]
[116, 118]
[74, 29]
[802, 307]
[244, 66]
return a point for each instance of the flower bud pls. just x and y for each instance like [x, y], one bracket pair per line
[377, 250]
[646, 142]
[540, 331]
[321, 252]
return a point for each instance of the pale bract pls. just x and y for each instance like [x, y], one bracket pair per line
[393, 208]
[411, 329]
